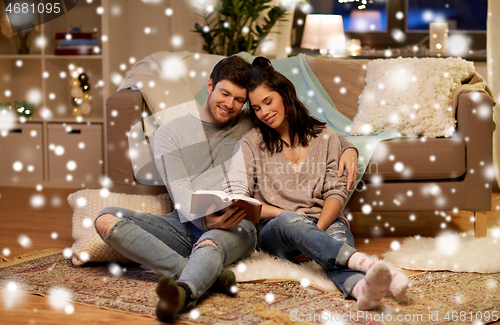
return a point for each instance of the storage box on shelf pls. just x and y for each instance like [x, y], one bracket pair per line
[24, 161]
[43, 78]
[75, 153]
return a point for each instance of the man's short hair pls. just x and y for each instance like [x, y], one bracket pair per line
[233, 68]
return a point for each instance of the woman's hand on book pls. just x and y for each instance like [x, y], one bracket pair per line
[223, 219]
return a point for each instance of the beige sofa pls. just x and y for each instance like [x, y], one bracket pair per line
[455, 179]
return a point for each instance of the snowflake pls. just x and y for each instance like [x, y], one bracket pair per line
[37, 201]
[104, 193]
[71, 165]
[448, 243]
[366, 209]
[84, 256]
[115, 269]
[194, 314]
[398, 35]
[87, 223]
[305, 282]
[67, 253]
[241, 268]
[59, 297]
[17, 166]
[399, 166]
[11, 286]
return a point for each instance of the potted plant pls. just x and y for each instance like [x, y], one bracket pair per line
[233, 26]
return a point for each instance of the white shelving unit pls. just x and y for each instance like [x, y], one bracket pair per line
[25, 77]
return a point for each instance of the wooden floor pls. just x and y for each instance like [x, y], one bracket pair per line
[40, 224]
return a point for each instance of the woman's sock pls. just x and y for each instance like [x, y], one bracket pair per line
[362, 262]
[373, 287]
[399, 284]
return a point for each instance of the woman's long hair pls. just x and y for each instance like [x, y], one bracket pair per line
[301, 124]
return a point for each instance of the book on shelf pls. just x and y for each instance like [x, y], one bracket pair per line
[74, 35]
[201, 200]
[74, 51]
[77, 42]
[78, 47]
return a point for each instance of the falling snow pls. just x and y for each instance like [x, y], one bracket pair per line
[84, 256]
[241, 268]
[67, 253]
[194, 314]
[87, 223]
[11, 286]
[59, 297]
[305, 282]
[366, 209]
[448, 243]
[270, 298]
[116, 269]
[104, 192]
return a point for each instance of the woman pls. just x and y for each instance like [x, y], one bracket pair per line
[289, 164]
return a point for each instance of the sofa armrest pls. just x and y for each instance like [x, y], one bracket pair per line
[123, 110]
[475, 127]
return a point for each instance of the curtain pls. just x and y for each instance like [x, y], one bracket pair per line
[493, 63]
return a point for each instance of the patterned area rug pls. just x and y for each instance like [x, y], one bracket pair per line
[433, 298]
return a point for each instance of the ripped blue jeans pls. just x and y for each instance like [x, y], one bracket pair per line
[173, 248]
[290, 234]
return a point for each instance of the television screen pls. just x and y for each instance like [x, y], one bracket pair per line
[362, 16]
[461, 15]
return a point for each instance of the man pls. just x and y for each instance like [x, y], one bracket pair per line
[193, 153]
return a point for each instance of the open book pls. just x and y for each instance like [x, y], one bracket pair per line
[202, 199]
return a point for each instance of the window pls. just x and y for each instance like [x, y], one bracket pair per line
[457, 13]
[359, 17]
[409, 18]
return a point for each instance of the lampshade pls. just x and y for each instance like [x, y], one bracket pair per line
[324, 32]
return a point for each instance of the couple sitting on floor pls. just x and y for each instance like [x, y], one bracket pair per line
[275, 152]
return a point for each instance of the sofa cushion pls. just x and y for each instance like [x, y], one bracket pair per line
[86, 204]
[343, 80]
[413, 95]
[417, 159]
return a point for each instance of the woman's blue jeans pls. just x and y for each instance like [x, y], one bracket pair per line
[172, 248]
[290, 234]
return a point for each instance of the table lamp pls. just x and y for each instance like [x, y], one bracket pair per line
[324, 32]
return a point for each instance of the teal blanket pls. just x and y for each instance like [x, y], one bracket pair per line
[316, 99]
